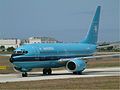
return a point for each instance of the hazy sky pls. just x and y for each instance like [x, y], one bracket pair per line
[65, 20]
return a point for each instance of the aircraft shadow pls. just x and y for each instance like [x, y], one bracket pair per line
[34, 75]
[70, 73]
[84, 73]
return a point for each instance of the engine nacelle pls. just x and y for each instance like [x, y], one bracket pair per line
[76, 65]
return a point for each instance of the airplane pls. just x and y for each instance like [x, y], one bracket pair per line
[73, 56]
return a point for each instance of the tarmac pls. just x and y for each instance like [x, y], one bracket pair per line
[60, 74]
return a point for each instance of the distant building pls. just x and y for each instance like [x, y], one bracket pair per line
[13, 42]
[115, 45]
[10, 42]
[39, 40]
[111, 46]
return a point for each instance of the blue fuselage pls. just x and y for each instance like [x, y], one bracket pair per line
[48, 55]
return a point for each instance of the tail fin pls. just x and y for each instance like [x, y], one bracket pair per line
[92, 35]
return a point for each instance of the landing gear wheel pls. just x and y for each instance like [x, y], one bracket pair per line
[44, 71]
[78, 72]
[47, 71]
[24, 74]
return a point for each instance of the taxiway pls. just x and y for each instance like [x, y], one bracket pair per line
[60, 74]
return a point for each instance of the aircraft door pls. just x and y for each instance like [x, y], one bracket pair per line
[36, 53]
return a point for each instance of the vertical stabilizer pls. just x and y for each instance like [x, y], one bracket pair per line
[92, 35]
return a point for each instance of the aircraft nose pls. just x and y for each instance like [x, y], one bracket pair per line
[11, 59]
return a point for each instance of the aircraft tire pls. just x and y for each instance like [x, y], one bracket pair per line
[44, 71]
[24, 74]
[78, 72]
[47, 71]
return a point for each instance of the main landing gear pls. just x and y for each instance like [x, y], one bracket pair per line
[47, 71]
[24, 74]
[78, 72]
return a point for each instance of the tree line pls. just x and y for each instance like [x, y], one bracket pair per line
[9, 49]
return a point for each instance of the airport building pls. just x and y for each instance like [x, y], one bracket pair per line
[10, 42]
[13, 42]
[40, 40]
[116, 45]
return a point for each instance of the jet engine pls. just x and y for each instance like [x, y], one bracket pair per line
[76, 65]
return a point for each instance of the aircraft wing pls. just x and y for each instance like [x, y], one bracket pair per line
[99, 57]
[105, 46]
[106, 57]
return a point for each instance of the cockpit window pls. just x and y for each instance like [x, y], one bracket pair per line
[21, 52]
[18, 52]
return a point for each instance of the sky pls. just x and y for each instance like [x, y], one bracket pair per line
[65, 20]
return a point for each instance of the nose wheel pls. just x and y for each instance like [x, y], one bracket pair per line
[24, 74]
[47, 71]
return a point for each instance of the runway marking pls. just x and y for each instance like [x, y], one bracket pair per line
[3, 67]
[61, 74]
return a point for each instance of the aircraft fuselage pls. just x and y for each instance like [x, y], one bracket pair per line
[41, 55]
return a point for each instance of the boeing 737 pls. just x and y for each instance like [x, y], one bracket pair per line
[73, 56]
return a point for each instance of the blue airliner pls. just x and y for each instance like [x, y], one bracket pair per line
[54, 55]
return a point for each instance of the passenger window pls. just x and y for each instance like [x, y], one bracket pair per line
[24, 52]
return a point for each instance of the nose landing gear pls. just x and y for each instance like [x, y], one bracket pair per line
[24, 74]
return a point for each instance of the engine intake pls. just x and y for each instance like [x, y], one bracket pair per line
[71, 66]
[76, 65]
